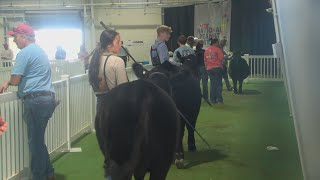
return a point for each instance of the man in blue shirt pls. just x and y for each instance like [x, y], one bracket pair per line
[32, 74]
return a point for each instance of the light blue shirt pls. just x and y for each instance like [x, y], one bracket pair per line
[33, 66]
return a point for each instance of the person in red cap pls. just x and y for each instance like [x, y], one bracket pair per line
[6, 55]
[32, 74]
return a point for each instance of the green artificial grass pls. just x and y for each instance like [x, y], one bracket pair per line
[238, 131]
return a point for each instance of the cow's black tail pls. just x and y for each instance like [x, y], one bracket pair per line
[138, 70]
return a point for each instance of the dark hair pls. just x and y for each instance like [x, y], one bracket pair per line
[237, 53]
[106, 38]
[213, 41]
[190, 40]
[182, 39]
[199, 45]
[223, 42]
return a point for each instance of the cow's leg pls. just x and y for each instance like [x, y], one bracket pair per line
[191, 140]
[240, 86]
[159, 170]
[116, 171]
[235, 89]
[140, 171]
[179, 156]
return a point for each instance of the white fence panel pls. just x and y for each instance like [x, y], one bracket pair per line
[80, 109]
[58, 68]
[4, 76]
[13, 144]
[14, 154]
[264, 67]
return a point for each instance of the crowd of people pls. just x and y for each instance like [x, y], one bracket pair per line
[31, 73]
[212, 62]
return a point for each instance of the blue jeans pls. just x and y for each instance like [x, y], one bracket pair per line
[37, 112]
[204, 79]
[215, 75]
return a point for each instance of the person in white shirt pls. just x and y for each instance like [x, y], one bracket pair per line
[6, 55]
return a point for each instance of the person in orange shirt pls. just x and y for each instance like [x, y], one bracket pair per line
[213, 57]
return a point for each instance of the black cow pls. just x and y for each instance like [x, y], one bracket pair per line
[137, 130]
[238, 71]
[187, 95]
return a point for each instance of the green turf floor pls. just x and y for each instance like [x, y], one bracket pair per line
[238, 131]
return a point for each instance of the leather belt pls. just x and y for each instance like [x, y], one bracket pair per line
[37, 94]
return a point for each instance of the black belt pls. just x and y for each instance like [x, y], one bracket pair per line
[37, 94]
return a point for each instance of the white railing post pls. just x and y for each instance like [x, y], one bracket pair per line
[69, 149]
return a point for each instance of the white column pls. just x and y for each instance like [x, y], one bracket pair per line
[93, 29]
[299, 30]
[280, 51]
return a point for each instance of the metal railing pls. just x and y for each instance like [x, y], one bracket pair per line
[261, 67]
[75, 114]
[58, 68]
[73, 117]
[264, 67]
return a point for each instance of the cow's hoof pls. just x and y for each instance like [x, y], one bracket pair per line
[179, 163]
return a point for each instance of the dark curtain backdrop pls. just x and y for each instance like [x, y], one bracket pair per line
[181, 19]
[252, 28]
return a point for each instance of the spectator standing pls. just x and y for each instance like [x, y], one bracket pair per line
[202, 68]
[84, 56]
[213, 58]
[6, 55]
[159, 50]
[32, 74]
[225, 62]
[60, 53]
[183, 50]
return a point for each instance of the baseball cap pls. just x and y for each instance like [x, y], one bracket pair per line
[22, 29]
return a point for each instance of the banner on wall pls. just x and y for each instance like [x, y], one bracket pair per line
[213, 20]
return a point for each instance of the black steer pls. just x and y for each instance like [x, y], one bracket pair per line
[238, 71]
[186, 93]
[137, 129]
